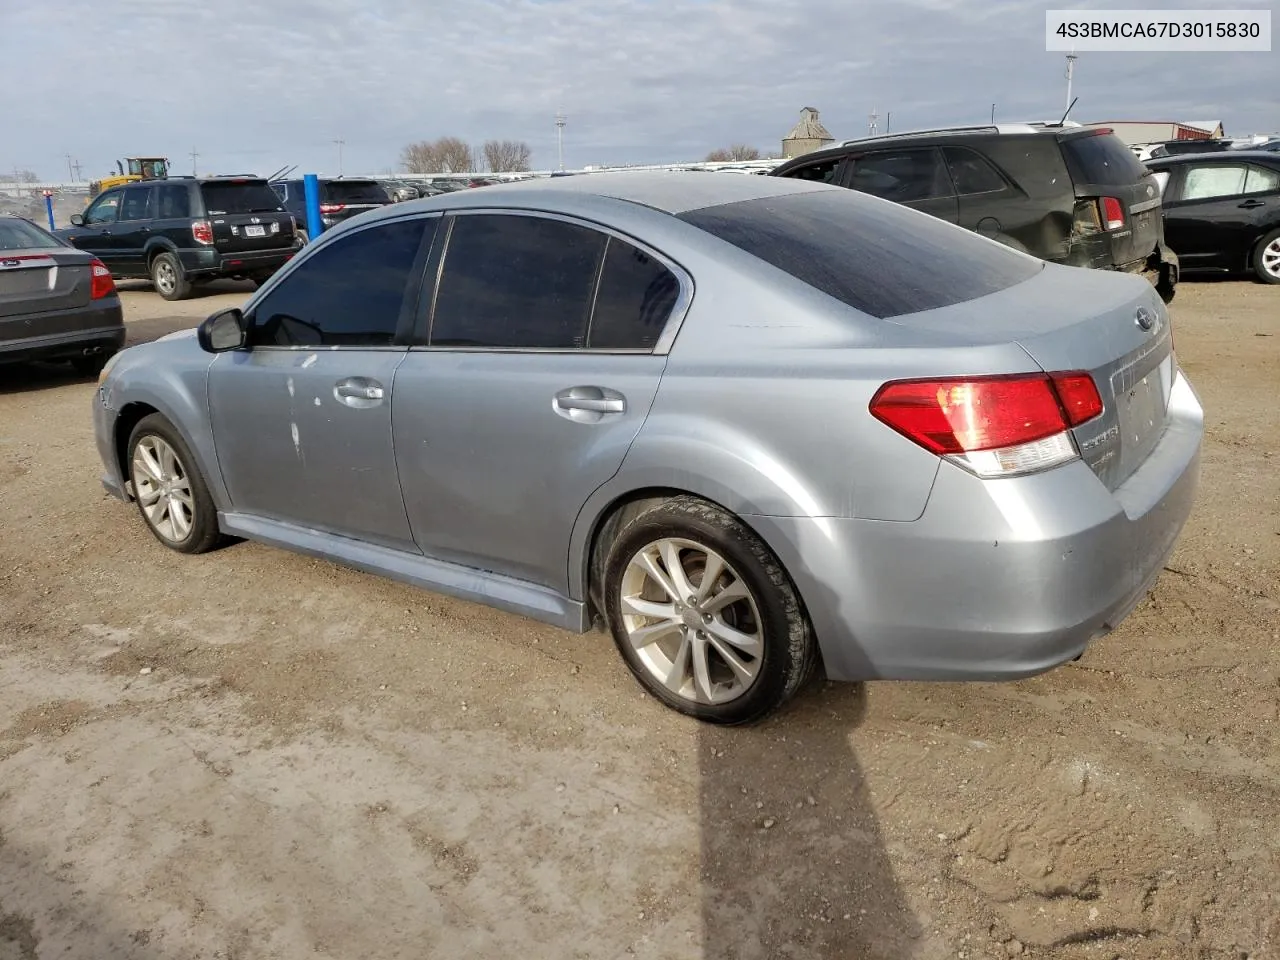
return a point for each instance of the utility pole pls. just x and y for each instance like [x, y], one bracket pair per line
[339, 141]
[76, 165]
[194, 157]
[561, 120]
[993, 114]
[70, 169]
[873, 123]
[888, 118]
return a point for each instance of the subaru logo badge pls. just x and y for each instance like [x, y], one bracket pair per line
[1145, 318]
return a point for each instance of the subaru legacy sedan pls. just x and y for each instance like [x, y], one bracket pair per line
[754, 426]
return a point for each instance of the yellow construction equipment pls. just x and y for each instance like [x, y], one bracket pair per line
[140, 168]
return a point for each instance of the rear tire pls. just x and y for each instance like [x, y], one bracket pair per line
[168, 277]
[736, 653]
[1266, 259]
[167, 486]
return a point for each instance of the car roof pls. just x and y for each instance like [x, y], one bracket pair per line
[1210, 156]
[667, 191]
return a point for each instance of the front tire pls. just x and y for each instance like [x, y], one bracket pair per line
[1266, 259]
[703, 613]
[168, 277]
[170, 492]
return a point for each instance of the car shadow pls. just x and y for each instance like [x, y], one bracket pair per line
[199, 291]
[793, 862]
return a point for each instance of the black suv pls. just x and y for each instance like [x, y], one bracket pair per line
[339, 199]
[186, 230]
[1071, 195]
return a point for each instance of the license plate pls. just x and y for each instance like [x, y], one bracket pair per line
[255, 230]
[1145, 410]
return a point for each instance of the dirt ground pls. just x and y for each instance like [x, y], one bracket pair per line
[252, 754]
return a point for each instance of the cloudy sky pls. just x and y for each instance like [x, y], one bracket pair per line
[251, 85]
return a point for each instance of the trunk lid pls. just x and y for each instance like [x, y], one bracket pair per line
[1104, 170]
[343, 199]
[41, 281]
[246, 215]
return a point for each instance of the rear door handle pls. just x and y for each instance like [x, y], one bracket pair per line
[358, 392]
[1249, 204]
[589, 404]
[597, 404]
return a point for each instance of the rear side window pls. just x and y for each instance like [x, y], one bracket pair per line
[971, 173]
[516, 281]
[1261, 180]
[355, 191]
[248, 196]
[880, 258]
[902, 176]
[1101, 159]
[636, 296]
[349, 292]
[173, 201]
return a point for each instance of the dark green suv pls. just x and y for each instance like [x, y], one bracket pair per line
[187, 230]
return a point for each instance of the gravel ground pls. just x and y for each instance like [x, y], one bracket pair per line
[252, 754]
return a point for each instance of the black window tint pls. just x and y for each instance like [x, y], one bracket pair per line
[883, 260]
[134, 206]
[1101, 159]
[242, 196]
[173, 201]
[971, 173]
[516, 281]
[348, 292]
[902, 175]
[634, 300]
[354, 191]
[823, 172]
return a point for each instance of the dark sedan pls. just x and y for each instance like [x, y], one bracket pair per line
[56, 302]
[1222, 210]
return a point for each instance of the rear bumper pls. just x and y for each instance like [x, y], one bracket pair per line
[215, 262]
[998, 579]
[99, 328]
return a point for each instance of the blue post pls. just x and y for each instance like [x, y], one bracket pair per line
[311, 187]
[48, 208]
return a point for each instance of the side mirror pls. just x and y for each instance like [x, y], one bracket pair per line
[225, 330]
[77, 220]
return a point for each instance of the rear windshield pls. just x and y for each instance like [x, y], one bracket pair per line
[355, 191]
[1101, 159]
[250, 196]
[875, 256]
[20, 235]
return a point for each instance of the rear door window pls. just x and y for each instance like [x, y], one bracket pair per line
[350, 292]
[136, 204]
[902, 176]
[882, 259]
[634, 301]
[1261, 180]
[247, 196]
[1101, 159]
[971, 172]
[512, 281]
[1214, 180]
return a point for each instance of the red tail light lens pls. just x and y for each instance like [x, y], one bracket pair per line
[993, 426]
[1112, 213]
[100, 282]
[202, 232]
[332, 207]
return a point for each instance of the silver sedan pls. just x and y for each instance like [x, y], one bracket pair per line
[754, 426]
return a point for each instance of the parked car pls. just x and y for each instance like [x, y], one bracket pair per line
[339, 200]
[870, 438]
[186, 230]
[1222, 210]
[401, 190]
[56, 302]
[1070, 195]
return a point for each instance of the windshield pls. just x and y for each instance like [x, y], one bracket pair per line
[248, 196]
[354, 191]
[875, 256]
[18, 234]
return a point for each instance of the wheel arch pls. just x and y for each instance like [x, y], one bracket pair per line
[156, 246]
[1255, 248]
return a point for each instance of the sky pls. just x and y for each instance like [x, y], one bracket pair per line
[252, 85]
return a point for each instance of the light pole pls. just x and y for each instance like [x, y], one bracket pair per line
[339, 141]
[1071, 71]
[561, 120]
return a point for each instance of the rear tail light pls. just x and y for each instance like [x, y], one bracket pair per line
[992, 426]
[1112, 213]
[332, 207]
[202, 232]
[100, 282]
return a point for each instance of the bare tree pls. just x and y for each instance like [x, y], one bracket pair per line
[445, 155]
[507, 156]
[739, 151]
[421, 157]
[25, 176]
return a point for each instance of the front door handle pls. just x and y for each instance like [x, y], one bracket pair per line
[1250, 204]
[358, 392]
[589, 404]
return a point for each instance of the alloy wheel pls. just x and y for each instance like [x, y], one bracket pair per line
[163, 489]
[1271, 257]
[165, 279]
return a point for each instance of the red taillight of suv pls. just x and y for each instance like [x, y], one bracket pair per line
[100, 282]
[1112, 213]
[202, 232]
[992, 426]
[332, 207]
